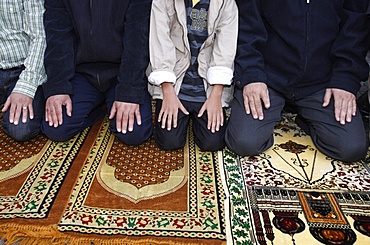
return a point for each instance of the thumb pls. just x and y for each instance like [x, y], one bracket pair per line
[6, 105]
[69, 107]
[182, 108]
[327, 96]
[113, 111]
[202, 110]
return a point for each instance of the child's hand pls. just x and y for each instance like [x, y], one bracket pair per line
[213, 106]
[170, 107]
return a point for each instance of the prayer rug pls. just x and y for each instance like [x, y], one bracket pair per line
[119, 194]
[143, 191]
[293, 194]
[32, 172]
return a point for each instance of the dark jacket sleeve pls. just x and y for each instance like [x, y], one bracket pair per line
[59, 54]
[350, 47]
[249, 62]
[132, 82]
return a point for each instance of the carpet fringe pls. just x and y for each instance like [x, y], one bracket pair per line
[49, 235]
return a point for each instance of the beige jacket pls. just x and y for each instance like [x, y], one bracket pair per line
[170, 50]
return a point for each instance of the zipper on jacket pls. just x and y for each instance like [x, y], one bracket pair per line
[185, 39]
[213, 29]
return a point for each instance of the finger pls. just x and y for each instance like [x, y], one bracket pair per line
[327, 97]
[201, 111]
[31, 113]
[354, 107]
[163, 120]
[6, 105]
[222, 119]
[169, 121]
[46, 112]
[175, 117]
[349, 112]
[266, 99]
[113, 111]
[138, 116]
[24, 114]
[160, 115]
[182, 108]
[53, 120]
[213, 123]
[16, 111]
[58, 110]
[246, 105]
[209, 122]
[337, 109]
[343, 112]
[11, 113]
[252, 107]
[49, 115]
[259, 107]
[68, 106]
[130, 122]
[119, 122]
[219, 121]
[54, 117]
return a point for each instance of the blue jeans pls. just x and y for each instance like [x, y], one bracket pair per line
[248, 136]
[22, 131]
[87, 109]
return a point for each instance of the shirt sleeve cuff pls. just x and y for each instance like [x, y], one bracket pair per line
[219, 75]
[159, 77]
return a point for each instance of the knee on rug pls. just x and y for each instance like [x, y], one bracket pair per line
[245, 146]
[21, 132]
[135, 137]
[210, 145]
[346, 151]
[59, 134]
[170, 143]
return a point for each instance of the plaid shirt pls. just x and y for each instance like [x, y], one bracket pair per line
[22, 42]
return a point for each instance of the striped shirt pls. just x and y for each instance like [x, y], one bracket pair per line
[22, 42]
[192, 87]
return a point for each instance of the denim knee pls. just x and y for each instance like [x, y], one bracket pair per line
[21, 132]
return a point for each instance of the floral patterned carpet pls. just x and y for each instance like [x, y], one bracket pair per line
[293, 194]
[94, 189]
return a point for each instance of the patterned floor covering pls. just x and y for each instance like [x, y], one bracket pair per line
[293, 194]
[95, 190]
[112, 194]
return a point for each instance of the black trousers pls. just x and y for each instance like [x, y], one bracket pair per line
[248, 136]
[176, 137]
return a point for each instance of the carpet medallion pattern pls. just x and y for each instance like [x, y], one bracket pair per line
[171, 193]
[293, 194]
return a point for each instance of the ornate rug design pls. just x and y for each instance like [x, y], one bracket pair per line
[293, 194]
[144, 191]
[35, 171]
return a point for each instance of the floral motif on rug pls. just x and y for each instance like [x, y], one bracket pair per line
[143, 190]
[43, 165]
[293, 194]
